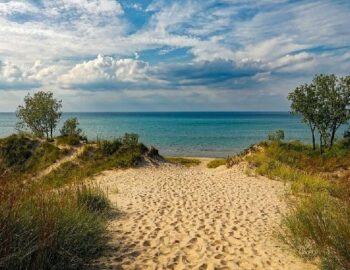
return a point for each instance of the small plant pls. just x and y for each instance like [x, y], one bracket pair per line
[278, 135]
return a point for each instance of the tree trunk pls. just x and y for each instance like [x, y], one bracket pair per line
[333, 136]
[321, 146]
[51, 133]
[313, 137]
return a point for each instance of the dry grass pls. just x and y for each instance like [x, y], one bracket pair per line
[187, 162]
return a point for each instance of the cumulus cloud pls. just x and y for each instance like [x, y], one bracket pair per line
[106, 72]
[199, 49]
[13, 77]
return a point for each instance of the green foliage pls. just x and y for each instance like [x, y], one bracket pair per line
[48, 231]
[94, 199]
[71, 140]
[130, 139]
[91, 162]
[323, 106]
[110, 147]
[70, 127]
[278, 135]
[216, 163]
[40, 113]
[187, 162]
[71, 134]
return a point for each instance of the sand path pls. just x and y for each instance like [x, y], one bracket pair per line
[195, 218]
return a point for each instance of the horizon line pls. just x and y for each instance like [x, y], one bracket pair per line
[165, 111]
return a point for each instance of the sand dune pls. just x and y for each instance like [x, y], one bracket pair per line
[195, 218]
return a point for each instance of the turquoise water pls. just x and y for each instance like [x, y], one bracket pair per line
[207, 134]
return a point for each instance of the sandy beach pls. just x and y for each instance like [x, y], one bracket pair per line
[172, 217]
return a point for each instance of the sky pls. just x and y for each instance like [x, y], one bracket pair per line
[169, 55]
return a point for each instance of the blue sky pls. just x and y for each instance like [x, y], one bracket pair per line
[154, 55]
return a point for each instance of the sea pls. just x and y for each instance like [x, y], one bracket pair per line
[192, 134]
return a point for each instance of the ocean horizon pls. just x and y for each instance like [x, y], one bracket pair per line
[202, 134]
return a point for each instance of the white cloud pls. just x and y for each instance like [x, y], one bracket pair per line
[105, 69]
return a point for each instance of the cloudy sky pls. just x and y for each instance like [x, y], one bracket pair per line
[170, 55]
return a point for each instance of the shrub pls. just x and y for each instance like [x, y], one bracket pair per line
[70, 127]
[130, 139]
[278, 135]
[110, 147]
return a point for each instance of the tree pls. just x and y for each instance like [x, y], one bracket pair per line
[333, 96]
[40, 113]
[322, 105]
[70, 127]
[304, 103]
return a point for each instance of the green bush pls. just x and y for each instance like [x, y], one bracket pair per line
[108, 148]
[130, 139]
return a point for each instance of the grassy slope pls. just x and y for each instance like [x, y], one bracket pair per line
[43, 227]
[319, 222]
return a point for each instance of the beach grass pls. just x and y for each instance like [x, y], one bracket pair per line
[57, 221]
[216, 163]
[318, 225]
[187, 162]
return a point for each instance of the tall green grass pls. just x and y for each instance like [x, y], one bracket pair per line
[50, 230]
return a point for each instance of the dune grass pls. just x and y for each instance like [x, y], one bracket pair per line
[319, 222]
[57, 221]
[216, 163]
[50, 230]
[187, 162]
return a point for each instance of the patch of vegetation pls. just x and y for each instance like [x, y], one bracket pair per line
[319, 223]
[216, 163]
[92, 161]
[318, 226]
[48, 231]
[71, 134]
[20, 154]
[93, 198]
[187, 162]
